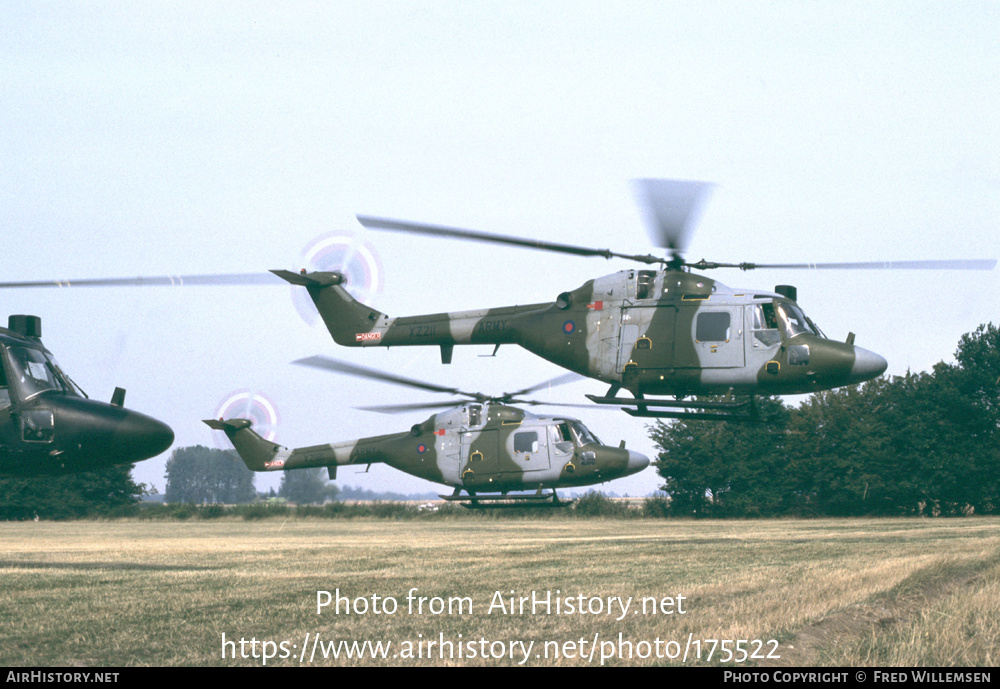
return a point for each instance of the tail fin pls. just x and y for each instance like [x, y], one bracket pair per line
[256, 452]
[351, 323]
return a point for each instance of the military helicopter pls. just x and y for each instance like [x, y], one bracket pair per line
[662, 334]
[48, 425]
[485, 447]
[667, 332]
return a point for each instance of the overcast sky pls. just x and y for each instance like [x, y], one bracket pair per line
[202, 137]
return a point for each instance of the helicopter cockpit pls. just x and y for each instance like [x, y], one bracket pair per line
[570, 431]
[772, 321]
[30, 371]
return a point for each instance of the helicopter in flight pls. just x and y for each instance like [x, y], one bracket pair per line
[665, 334]
[48, 425]
[662, 334]
[486, 447]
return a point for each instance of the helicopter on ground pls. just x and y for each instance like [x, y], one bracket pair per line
[485, 447]
[667, 332]
[48, 425]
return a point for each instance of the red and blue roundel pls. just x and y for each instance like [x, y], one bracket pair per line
[569, 327]
[421, 448]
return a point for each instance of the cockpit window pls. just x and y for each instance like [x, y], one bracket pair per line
[561, 439]
[764, 325]
[792, 320]
[583, 435]
[33, 371]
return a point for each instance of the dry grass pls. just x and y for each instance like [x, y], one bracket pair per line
[164, 593]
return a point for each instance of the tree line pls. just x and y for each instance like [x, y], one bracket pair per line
[922, 443]
[195, 476]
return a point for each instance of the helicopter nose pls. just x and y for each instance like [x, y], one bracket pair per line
[140, 437]
[867, 365]
[636, 462]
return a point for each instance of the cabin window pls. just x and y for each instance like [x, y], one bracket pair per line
[526, 441]
[644, 285]
[712, 326]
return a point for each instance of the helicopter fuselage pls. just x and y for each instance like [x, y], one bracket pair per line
[47, 424]
[479, 447]
[666, 332]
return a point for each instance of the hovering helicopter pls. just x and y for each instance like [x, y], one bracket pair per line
[667, 332]
[47, 423]
[485, 447]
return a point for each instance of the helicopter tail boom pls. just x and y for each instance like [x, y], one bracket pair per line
[351, 323]
[256, 452]
[260, 454]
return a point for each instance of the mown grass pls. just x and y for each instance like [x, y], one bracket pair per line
[141, 592]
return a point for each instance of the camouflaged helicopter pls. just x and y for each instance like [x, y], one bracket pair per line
[485, 447]
[49, 426]
[667, 332]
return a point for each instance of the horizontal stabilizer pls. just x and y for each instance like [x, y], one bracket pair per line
[231, 425]
[318, 279]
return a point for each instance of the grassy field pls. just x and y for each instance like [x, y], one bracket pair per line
[232, 592]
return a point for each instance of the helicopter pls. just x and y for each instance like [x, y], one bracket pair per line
[48, 425]
[485, 447]
[662, 334]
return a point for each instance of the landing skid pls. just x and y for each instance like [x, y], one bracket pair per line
[490, 502]
[718, 410]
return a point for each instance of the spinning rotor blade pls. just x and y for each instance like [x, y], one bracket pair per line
[671, 209]
[328, 364]
[170, 280]
[551, 383]
[975, 264]
[399, 408]
[373, 223]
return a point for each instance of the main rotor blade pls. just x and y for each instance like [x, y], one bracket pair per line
[374, 223]
[671, 209]
[551, 383]
[328, 364]
[155, 281]
[416, 406]
[975, 264]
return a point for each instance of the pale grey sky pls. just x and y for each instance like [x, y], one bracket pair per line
[201, 137]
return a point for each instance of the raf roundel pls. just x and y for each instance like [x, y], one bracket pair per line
[421, 448]
[569, 327]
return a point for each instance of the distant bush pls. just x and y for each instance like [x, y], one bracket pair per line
[656, 508]
[590, 505]
[599, 505]
[261, 510]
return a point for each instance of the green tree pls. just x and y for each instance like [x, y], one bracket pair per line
[307, 487]
[200, 474]
[894, 445]
[723, 468]
[69, 496]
